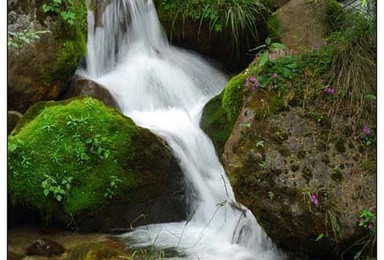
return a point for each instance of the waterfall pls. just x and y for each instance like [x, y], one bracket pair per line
[164, 89]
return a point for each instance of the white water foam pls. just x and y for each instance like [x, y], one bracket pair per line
[164, 89]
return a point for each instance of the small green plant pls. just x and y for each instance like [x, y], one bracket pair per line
[368, 219]
[17, 39]
[365, 246]
[58, 189]
[271, 195]
[65, 8]
[265, 164]
[98, 146]
[113, 186]
[270, 50]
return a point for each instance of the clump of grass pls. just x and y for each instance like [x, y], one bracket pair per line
[353, 69]
[240, 17]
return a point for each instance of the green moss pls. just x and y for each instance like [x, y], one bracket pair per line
[215, 123]
[68, 57]
[233, 97]
[79, 138]
[72, 45]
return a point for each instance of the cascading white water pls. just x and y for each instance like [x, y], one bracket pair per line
[164, 89]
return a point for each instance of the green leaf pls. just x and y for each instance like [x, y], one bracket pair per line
[319, 237]
[46, 8]
[279, 46]
[264, 58]
[59, 197]
[371, 97]
[46, 192]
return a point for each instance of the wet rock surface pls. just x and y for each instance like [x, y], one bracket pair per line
[86, 87]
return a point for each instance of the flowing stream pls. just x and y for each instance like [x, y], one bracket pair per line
[164, 89]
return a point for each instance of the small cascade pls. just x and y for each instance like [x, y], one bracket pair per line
[164, 89]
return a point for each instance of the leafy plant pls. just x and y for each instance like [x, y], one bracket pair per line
[265, 164]
[270, 48]
[113, 186]
[368, 219]
[58, 189]
[65, 8]
[98, 146]
[17, 39]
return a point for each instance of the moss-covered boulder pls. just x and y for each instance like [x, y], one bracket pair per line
[80, 161]
[306, 185]
[43, 50]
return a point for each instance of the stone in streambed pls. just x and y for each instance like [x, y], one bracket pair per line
[45, 247]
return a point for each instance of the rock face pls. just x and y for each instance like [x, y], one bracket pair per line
[89, 88]
[39, 69]
[278, 158]
[12, 118]
[45, 247]
[78, 161]
[299, 23]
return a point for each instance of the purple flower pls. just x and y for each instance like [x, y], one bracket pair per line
[350, 94]
[372, 208]
[255, 85]
[369, 226]
[275, 75]
[366, 130]
[314, 199]
[253, 79]
[246, 83]
[329, 90]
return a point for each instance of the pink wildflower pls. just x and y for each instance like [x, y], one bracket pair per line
[366, 130]
[314, 199]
